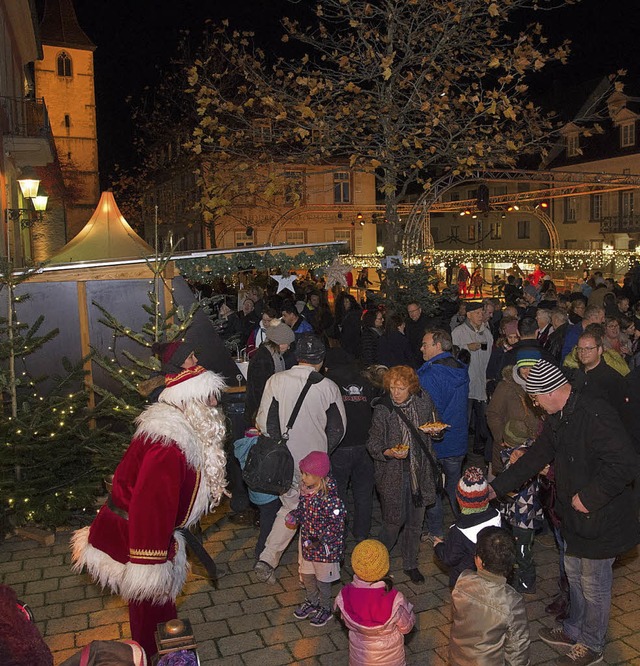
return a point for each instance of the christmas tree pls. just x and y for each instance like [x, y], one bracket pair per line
[47, 437]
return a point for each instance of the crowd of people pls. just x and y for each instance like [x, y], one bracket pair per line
[515, 416]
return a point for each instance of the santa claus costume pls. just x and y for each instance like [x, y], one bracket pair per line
[172, 473]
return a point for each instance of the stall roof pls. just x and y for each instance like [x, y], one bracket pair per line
[106, 236]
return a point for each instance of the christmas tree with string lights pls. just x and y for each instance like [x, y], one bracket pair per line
[136, 375]
[47, 436]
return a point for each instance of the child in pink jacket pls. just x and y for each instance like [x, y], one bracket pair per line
[376, 615]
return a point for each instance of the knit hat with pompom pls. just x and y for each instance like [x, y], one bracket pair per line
[472, 491]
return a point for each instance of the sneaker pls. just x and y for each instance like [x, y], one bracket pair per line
[427, 538]
[580, 655]
[321, 617]
[555, 636]
[265, 573]
[305, 609]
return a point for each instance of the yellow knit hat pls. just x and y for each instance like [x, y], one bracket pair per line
[370, 560]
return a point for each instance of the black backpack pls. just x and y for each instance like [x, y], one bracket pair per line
[269, 464]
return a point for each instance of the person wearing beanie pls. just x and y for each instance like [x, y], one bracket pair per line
[523, 509]
[319, 426]
[510, 402]
[376, 615]
[489, 618]
[457, 551]
[320, 515]
[528, 343]
[172, 474]
[268, 359]
[595, 465]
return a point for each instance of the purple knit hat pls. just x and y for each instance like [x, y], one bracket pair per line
[316, 463]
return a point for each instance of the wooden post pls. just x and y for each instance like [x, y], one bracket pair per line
[85, 342]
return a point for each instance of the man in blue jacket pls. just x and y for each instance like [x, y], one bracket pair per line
[446, 380]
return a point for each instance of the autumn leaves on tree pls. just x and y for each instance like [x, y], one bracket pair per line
[404, 89]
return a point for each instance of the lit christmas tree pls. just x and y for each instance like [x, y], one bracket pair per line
[47, 437]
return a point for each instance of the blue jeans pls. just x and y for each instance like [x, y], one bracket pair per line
[434, 517]
[590, 583]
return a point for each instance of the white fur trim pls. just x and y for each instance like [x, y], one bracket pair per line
[197, 388]
[159, 583]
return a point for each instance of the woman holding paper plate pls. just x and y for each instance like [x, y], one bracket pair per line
[406, 470]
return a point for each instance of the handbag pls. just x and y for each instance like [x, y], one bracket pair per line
[436, 467]
[269, 464]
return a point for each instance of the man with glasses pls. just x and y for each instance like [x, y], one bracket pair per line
[594, 377]
[416, 326]
[595, 466]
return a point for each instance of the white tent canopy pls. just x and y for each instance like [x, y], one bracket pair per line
[107, 235]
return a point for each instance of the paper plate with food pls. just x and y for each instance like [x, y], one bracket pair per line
[433, 427]
[401, 450]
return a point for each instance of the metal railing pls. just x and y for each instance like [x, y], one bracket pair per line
[25, 117]
[618, 224]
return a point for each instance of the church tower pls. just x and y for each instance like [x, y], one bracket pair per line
[65, 79]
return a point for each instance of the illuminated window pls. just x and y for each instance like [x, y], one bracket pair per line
[496, 230]
[244, 239]
[626, 204]
[471, 232]
[296, 236]
[343, 235]
[64, 65]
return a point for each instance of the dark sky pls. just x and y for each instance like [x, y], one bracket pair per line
[136, 38]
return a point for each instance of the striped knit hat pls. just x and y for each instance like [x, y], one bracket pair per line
[472, 491]
[544, 377]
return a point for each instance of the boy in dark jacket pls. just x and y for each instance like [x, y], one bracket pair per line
[459, 549]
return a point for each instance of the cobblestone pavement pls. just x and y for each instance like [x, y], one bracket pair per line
[246, 623]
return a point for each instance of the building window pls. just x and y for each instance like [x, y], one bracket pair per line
[499, 190]
[595, 245]
[570, 209]
[471, 232]
[435, 234]
[573, 145]
[294, 187]
[628, 135]
[345, 236]
[245, 239]
[626, 204]
[296, 237]
[570, 244]
[455, 232]
[455, 196]
[524, 229]
[496, 230]
[341, 187]
[67, 120]
[64, 65]
[262, 131]
[595, 207]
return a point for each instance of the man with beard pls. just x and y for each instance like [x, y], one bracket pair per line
[172, 473]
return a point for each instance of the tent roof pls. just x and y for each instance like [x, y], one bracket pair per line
[107, 235]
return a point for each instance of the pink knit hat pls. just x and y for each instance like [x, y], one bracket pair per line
[316, 463]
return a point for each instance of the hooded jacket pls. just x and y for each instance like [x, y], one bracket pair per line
[377, 620]
[446, 380]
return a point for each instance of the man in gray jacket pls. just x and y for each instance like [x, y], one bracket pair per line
[320, 426]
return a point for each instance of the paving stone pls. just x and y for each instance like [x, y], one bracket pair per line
[63, 655]
[42, 586]
[208, 631]
[103, 617]
[10, 566]
[196, 601]
[259, 605]
[83, 606]
[23, 576]
[244, 623]
[61, 642]
[222, 611]
[69, 623]
[107, 632]
[276, 656]
[239, 643]
[619, 652]
[69, 594]
[284, 633]
[311, 647]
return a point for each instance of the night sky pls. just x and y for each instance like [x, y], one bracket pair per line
[136, 38]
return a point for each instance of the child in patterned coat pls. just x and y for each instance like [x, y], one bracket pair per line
[321, 518]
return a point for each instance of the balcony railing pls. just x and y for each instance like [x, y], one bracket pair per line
[620, 224]
[26, 118]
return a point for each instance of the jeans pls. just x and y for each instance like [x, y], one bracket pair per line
[434, 518]
[353, 463]
[590, 583]
[411, 519]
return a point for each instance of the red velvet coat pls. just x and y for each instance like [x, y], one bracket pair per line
[160, 485]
